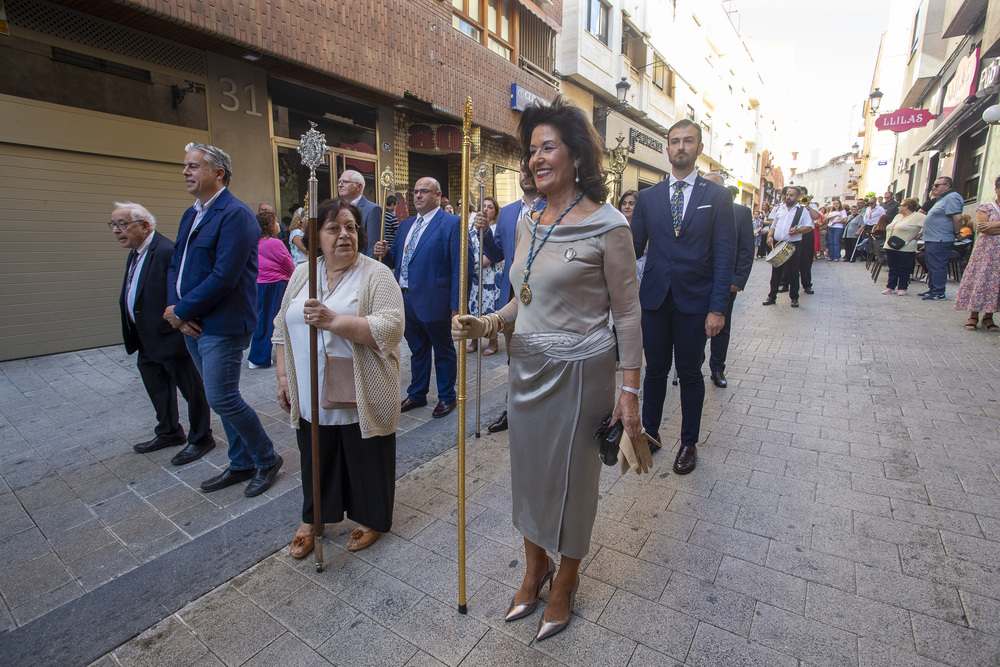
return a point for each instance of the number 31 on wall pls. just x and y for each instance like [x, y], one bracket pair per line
[231, 101]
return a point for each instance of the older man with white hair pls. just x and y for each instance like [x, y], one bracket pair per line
[351, 186]
[163, 359]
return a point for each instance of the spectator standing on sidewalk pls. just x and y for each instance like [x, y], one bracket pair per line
[940, 227]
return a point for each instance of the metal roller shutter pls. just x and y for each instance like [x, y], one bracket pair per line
[60, 267]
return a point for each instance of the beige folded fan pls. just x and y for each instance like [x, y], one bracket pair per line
[635, 455]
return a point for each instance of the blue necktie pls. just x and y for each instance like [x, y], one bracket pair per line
[677, 206]
[408, 251]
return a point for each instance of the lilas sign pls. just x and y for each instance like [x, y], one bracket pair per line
[904, 119]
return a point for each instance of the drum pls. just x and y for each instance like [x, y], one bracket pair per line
[782, 251]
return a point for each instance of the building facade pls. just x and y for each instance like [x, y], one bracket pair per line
[99, 99]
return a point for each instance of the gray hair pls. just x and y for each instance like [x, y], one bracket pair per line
[137, 212]
[356, 176]
[216, 159]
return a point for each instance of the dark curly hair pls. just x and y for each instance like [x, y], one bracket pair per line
[578, 133]
[329, 210]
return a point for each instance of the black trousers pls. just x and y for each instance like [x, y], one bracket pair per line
[787, 273]
[162, 379]
[357, 475]
[805, 253]
[848, 248]
[719, 343]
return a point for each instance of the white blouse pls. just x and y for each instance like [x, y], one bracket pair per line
[343, 301]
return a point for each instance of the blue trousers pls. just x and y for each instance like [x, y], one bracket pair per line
[219, 360]
[833, 235]
[666, 333]
[936, 255]
[268, 304]
[423, 338]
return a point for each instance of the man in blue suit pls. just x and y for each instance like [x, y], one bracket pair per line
[212, 300]
[741, 273]
[351, 186]
[690, 227]
[425, 256]
[499, 247]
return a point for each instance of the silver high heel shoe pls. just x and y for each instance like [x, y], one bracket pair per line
[516, 611]
[548, 628]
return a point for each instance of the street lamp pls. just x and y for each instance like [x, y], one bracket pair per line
[621, 88]
[875, 99]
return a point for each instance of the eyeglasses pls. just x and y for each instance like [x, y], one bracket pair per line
[343, 182]
[120, 226]
[423, 192]
[350, 228]
[939, 185]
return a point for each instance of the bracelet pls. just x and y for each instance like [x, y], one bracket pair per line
[631, 390]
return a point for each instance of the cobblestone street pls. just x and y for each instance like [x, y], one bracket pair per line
[845, 511]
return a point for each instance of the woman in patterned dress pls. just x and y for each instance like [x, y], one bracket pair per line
[491, 275]
[980, 288]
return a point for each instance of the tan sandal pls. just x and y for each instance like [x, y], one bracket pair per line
[492, 348]
[361, 539]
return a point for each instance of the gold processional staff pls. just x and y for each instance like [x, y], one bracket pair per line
[312, 149]
[388, 183]
[463, 309]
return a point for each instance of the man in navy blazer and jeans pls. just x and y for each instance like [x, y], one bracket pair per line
[212, 300]
[425, 257]
[691, 230]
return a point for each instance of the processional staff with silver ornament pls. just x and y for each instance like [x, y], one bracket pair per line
[388, 183]
[483, 173]
[463, 309]
[312, 150]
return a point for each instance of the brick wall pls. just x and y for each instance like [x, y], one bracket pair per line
[392, 46]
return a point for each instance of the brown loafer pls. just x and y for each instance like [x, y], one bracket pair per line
[443, 408]
[687, 457]
[302, 546]
[362, 539]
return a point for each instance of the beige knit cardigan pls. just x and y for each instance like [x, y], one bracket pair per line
[376, 370]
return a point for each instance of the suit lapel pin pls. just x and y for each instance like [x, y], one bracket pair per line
[569, 255]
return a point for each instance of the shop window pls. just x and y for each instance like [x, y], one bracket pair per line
[598, 20]
[489, 22]
[971, 149]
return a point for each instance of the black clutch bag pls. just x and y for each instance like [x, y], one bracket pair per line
[895, 242]
[610, 436]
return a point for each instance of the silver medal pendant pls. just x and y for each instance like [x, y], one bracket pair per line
[569, 255]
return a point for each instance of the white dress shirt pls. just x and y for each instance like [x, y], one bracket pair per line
[783, 218]
[140, 259]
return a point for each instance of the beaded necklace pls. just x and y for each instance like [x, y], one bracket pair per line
[532, 253]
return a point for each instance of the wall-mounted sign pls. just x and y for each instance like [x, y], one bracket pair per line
[883, 163]
[904, 119]
[521, 97]
[962, 84]
[990, 74]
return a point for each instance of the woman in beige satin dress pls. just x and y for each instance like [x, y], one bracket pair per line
[573, 267]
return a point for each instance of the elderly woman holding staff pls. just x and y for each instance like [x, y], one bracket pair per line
[573, 266]
[359, 312]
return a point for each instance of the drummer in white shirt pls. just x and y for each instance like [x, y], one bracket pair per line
[790, 221]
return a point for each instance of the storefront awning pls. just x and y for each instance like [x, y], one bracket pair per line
[958, 121]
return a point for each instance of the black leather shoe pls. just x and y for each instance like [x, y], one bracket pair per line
[158, 443]
[262, 480]
[193, 452]
[719, 379]
[443, 408]
[795, 303]
[687, 457]
[783, 288]
[769, 301]
[808, 290]
[500, 424]
[408, 405]
[653, 446]
[226, 478]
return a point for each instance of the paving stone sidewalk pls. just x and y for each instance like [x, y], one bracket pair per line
[845, 511]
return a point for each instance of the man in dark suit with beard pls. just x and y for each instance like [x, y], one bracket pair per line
[163, 361]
